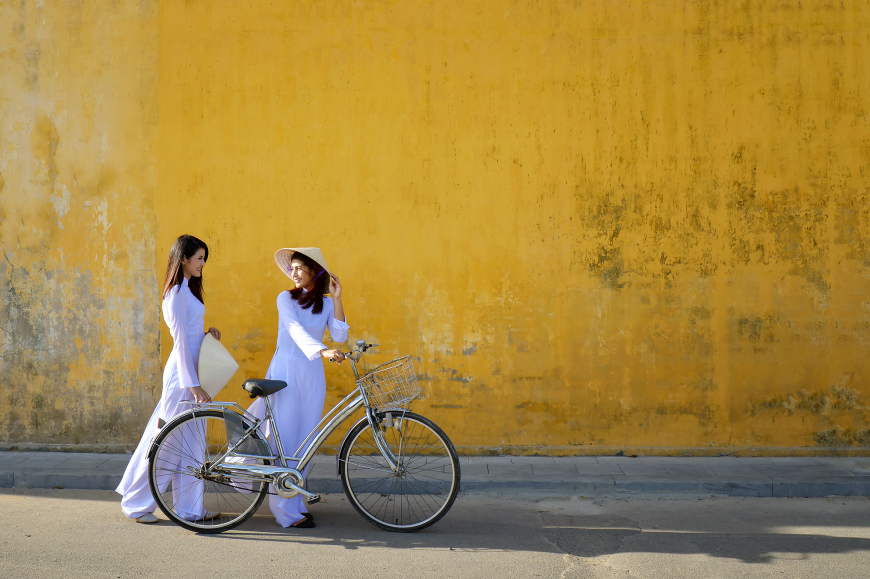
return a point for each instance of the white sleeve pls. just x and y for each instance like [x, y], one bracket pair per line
[290, 323]
[177, 322]
[337, 328]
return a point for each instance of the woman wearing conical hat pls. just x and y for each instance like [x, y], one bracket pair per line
[304, 312]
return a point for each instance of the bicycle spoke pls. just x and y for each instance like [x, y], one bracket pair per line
[184, 492]
[418, 492]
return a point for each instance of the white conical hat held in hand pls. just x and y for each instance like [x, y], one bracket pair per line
[216, 366]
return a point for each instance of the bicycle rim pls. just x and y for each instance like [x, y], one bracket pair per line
[415, 496]
[198, 502]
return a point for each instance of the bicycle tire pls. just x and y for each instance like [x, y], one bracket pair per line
[420, 496]
[188, 439]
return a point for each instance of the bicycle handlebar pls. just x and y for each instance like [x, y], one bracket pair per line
[361, 347]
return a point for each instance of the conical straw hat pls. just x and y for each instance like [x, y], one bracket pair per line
[284, 256]
[216, 366]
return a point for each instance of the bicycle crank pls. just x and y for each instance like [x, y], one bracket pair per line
[286, 486]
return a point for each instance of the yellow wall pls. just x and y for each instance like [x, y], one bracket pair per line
[79, 354]
[598, 225]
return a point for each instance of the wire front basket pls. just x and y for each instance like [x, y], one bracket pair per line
[392, 384]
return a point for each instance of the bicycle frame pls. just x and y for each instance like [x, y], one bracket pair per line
[327, 425]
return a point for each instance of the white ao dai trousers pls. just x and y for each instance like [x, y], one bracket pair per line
[184, 314]
[298, 407]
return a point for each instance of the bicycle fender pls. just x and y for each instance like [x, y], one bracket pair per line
[399, 410]
[152, 447]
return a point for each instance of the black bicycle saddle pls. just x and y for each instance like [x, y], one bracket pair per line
[263, 387]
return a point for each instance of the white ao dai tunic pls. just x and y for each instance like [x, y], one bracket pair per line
[298, 407]
[185, 316]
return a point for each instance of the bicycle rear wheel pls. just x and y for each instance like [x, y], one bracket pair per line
[200, 502]
[419, 492]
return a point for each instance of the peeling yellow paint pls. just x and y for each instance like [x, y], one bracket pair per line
[596, 225]
[78, 324]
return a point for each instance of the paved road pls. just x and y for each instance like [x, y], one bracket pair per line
[74, 533]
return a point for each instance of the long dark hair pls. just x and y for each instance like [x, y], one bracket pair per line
[313, 298]
[185, 246]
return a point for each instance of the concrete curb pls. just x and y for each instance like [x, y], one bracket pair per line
[46, 479]
[88, 480]
[746, 477]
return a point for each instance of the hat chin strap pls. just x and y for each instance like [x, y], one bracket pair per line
[313, 279]
[322, 271]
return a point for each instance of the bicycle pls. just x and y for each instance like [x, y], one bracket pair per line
[398, 469]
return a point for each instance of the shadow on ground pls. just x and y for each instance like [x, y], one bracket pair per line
[753, 533]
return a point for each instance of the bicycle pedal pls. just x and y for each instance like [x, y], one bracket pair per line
[314, 499]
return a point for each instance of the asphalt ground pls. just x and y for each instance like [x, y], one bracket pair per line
[75, 533]
[811, 477]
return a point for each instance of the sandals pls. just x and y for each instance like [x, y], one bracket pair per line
[306, 522]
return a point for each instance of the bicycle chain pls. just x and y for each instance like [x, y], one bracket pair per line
[268, 492]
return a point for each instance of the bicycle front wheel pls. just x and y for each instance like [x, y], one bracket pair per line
[423, 487]
[200, 501]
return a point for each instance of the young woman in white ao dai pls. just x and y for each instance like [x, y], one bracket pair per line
[299, 407]
[184, 313]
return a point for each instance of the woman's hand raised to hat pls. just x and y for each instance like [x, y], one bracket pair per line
[335, 290]
[216, 333]
[334, 286]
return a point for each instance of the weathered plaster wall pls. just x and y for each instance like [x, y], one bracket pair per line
[79, 347]
[598, 224]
